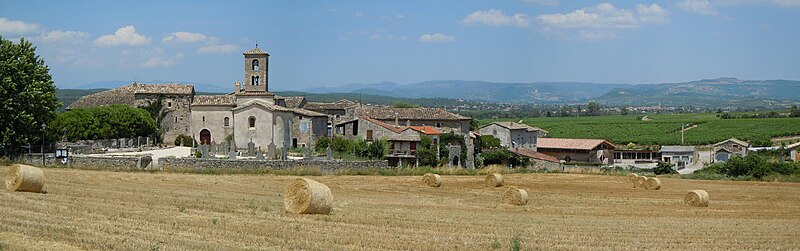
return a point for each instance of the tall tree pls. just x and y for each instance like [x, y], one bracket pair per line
[27, 95]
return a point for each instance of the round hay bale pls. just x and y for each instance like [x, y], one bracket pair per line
[632, 178]
[432, 180]
[515, 196]
[652, 184]
[697, 198]
[306, 196]
[24, 178]
[494, 180]
[640, 181]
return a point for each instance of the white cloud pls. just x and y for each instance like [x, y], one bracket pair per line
[184, 37]
[378, 36]
[436, 38]
[58, 36]
[782, 3]
[603, 20]
[159, 61]
[543, 2]
[495, 17]
[698, 6]
[13, 27]
[218, 48]
[123, 36]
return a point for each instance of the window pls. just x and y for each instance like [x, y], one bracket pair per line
[256, 81]
[438, 124]
[169, 104]
[176, 119]
[204, 118]
[355, 129]
[252, 122]
[227, 121]
[255, 64]
[369, 135]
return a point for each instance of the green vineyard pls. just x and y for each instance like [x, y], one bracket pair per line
[665, 129]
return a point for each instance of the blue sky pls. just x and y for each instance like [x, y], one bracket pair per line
[333, 43]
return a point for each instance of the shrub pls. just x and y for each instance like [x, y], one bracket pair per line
[105, 122]
[664, 168]
[187, 141]
[489, 142]
[322, 144]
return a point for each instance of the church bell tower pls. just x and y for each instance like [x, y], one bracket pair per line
[256, 71]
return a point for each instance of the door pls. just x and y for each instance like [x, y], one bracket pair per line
[205, 137]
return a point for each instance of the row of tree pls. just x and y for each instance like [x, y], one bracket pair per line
[104, 122]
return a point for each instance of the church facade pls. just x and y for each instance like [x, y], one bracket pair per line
[248, 114]
[252, 114]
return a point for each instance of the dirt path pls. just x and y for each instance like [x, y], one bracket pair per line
[787, 138]
[99, 210]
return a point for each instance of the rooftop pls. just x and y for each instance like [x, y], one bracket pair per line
[124, 95]
[214, 100]
[255, 51]
[517, 126]
[319, 106]
[677, 149]
[419, 113]
[530, 153]
[562, 143]
[734, 140]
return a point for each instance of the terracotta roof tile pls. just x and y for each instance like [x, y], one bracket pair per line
[561, 143]
[420, 113]
[530, 153]
[427, 130]
[338, 105]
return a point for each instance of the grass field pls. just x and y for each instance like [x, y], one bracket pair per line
[665, 129]
[148, 211]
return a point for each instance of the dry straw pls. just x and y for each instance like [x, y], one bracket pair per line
[632, 178]
[494, 180]
[515, 196]
[640, 181]
[697, 198]
[24, 178]
[652, 184]
[306, 196]
[432, 180]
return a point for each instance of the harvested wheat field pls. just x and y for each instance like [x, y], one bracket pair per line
[146, 211]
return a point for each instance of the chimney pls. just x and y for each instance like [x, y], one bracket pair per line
[408, 122]
[396, 121]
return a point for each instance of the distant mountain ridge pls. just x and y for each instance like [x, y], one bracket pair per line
[708, 93]
[541, 92]
[718, 92]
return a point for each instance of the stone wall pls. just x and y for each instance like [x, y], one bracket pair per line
[116, 163]
[324, 165]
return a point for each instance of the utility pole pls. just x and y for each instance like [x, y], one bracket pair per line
[682, 134]
[43, 156]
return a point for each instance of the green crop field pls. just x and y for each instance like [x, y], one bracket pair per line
[664, 129]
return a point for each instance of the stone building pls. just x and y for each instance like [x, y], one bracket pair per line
[248, 114]
[729, 148]
[176, 100]
[578, 150]
[513, 135]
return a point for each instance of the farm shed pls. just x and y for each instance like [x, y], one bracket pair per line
[793, 151]
[578, 150]
[729, 148]
[680, 155]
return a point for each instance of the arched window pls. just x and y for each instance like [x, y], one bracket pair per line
[252, 122]
[255, 64]
[227, 122]
[253, 80]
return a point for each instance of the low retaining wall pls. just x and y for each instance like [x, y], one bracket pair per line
[324, 165]
[116, 163]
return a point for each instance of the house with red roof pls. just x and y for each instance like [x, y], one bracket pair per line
[577, 150]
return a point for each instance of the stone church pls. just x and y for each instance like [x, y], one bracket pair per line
[248, 114]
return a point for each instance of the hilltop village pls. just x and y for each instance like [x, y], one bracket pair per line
[252, 122]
